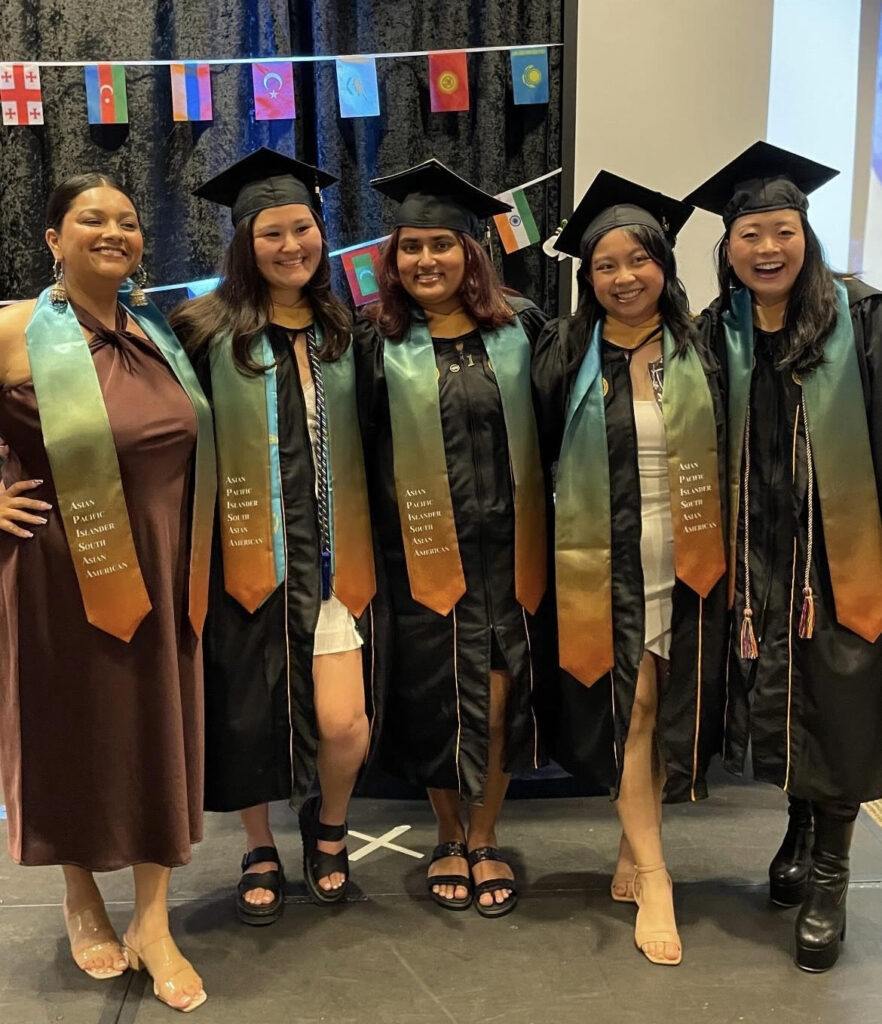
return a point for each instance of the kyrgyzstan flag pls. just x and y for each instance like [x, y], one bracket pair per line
[106, 94]
[360, 266]
[21, 98]
[273, 91]
[191, 92]
[448, 81]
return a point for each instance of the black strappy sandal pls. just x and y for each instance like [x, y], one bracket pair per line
[257, 913]
[492, 885]
[316, 863]
[442, 850]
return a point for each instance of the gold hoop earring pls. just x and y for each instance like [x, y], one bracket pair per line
[58, 293]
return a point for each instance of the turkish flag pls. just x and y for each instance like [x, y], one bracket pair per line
[273, 91]
[448, 81]
[21, 98]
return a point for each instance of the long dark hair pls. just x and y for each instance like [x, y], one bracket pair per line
[811, 306]
[481, 292]
[673, 303]
[64, 194]
[240, 304]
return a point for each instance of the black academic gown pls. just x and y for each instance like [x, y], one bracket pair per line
[260, 726]
[811, 710]
[437, 696]
[585, 728]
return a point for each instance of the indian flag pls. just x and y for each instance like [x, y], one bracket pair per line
[517, 229]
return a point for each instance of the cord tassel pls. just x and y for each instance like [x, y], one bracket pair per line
[807, 615]
[749, 649]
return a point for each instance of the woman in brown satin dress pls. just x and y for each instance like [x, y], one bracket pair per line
[101, 739]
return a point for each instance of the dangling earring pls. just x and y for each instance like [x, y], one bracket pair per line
[58, 293]
[138, 298]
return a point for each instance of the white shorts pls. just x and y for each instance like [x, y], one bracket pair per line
[336, 630]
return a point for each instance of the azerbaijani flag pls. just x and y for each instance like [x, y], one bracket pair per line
[106, 94]
[517, 229]
[191, 92]
[448, 81]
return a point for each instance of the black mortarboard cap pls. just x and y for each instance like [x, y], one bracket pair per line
[762, 178]
[432, 196]
[612, 202]
[264, 179]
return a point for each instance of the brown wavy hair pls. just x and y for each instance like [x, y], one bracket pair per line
[481, 292]
[240, 304]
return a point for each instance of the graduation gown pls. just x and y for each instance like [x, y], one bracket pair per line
[585, 728]
[810, 709]
[260, 727]
[437, 694]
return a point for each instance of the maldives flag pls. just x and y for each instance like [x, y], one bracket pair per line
[191, 92]
[21, 98]
[273, 91]
[448, 81]
[106, 94]
[360, 266]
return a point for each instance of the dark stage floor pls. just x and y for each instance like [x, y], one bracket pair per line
[389, 956]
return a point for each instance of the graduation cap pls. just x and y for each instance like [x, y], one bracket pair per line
[432, 196]
[612, 202]
[264, 179]
[762, 178]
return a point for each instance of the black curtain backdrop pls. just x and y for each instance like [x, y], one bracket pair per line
[495, 144]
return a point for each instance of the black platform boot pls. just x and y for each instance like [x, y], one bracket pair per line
[820, 924]
[789, 870]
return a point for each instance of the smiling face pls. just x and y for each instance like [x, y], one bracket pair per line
[99, 237]
[767, 251]
[431, 266]
[287, 249]
[625, 278]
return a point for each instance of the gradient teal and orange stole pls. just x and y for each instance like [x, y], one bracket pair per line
[836, 424]
[583, 528]
[85, 467]
[252, 522]
[428, 529]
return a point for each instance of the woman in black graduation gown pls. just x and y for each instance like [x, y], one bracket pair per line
[457, 496]
[801, 354]
[630, 412]
[286, 694]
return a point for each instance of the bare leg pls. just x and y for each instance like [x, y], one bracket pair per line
[94, 944]
[257, 833]
[622, 885]
[638, 811]
[343, 740]
[148, 939]
[483, 818]
[446, 804]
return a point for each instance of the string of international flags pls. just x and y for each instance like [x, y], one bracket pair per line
[21, 93]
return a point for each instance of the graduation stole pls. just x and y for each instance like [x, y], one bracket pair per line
[836, 425]
[428, 529]
[246, 421]
[85, 467]
[583, 528]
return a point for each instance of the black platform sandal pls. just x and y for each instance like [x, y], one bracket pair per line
[316, 863]
[274, 881]
[493, 885]
[442, 850]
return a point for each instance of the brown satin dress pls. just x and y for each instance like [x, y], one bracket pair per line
[101, 741]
